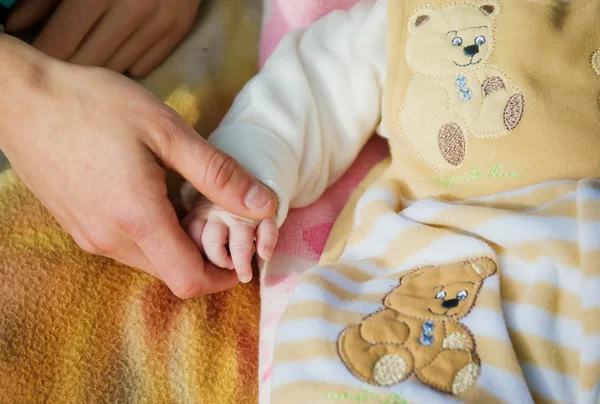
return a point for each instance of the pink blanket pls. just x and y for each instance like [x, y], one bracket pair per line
[305, 231]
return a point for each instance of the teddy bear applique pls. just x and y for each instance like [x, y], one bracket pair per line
[454, 92]
[418, 333]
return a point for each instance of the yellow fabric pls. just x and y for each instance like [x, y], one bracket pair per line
[537, 47]
[541, 50]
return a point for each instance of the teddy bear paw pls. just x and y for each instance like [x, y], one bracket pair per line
[513, 111]
[465, 379]
[457, 341]
[390, 369]
[491, 85]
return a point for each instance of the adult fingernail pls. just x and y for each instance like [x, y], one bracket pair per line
[245, 278]
[258, 196]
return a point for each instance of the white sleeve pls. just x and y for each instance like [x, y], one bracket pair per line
[300, 123]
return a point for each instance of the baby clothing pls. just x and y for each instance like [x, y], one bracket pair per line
[468, 271]
[490, 300]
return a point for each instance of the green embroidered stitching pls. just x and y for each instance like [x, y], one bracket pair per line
[473, 175]
[367, 395]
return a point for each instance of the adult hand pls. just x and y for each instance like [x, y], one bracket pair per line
[93, 145]
[123, 35]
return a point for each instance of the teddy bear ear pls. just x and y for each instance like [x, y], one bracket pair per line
[413, 274]
[484, 267]
[490, 8]
[419, 19]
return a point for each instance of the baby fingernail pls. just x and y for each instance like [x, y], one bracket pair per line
[245, 278]
[267, 253]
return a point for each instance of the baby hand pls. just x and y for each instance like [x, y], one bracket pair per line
[227, 240]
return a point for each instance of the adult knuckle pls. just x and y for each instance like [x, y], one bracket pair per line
[165, 131]
[132, 223]
[220, 170]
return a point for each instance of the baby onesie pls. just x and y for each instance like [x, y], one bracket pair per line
[466, 267]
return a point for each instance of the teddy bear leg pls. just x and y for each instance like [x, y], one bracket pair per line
[452, 372]
[513, 103]
[395, 363]
[513, 112]
[452, 143]
[500, 113]
[442, 141]
[449, 132]
[490, 121]
[381, 364]
[458, 337]
[466, 378]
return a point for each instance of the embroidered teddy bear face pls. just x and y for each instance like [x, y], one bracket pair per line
[440, 293]
[449, 40]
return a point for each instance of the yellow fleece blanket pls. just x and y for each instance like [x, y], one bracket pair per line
[79, 328]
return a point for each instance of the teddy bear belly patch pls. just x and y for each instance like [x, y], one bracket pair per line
[454, 93]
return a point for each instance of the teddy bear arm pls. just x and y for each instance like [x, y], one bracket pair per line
[424, 99]
[493, 80]
[384, 327]
[458, 336]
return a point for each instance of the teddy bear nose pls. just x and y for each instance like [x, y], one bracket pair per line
[471, 50]
[450, 304]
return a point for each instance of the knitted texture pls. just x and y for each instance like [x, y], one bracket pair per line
[80, 328]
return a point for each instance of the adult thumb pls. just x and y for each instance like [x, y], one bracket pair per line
[218, 176]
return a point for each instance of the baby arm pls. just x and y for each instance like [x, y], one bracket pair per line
[301, 122]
